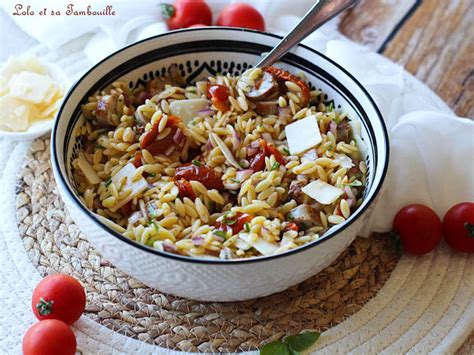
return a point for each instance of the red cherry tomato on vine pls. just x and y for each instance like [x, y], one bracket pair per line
[185, 13]
[60, 297]
[419, 229]
[458, 227]
[241, 15]
[49, 337]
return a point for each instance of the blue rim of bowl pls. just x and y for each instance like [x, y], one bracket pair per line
[197, 260]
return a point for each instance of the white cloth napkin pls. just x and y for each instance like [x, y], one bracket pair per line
[432, 153]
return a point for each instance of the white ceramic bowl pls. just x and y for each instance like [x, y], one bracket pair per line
[200, 53]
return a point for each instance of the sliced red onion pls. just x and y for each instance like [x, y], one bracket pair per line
[169, 150]
[143, 96]
[235, 141]
[351, 202]
[219, 239]
[349, 192]
[178, 136]
[333, 128]
[169, 246]
[265, 229]
[233, 186]
[197, 240]
[135, 217]
[205, 112]
[311, 154]
[284, 112]
[126, 99]
[251, 151]
[244, 174]
[268, 137]
[209, 145]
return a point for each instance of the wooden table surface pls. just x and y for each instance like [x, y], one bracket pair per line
[432, 39]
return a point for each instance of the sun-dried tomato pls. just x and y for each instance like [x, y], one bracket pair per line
[257, 160]
[284, 75]
[219, 95]
[185, 189]
[149, 141]
[207, 176]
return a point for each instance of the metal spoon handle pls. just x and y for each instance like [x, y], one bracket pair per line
[319, 14]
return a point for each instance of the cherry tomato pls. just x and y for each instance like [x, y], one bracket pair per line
[49, 337]
[185, 189]
[197, 25]
[60, 297]
[458, 227]
[219, 95]
[185, 13]
[419, 229]
[284, 75]
[209, 177]
[241, 15]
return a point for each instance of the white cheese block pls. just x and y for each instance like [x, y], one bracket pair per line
[303, 134]
[188, 109]
[14, 113]
[323, 192]
[30, 87]
[136, 187]
[261, 245]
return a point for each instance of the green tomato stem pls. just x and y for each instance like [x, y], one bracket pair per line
[470, 228]
[44, 307]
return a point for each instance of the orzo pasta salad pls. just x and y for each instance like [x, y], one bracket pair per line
[231, 167]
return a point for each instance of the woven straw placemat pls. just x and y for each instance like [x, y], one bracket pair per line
[55, 244]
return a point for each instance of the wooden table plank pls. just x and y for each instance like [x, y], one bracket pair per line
[436, 44]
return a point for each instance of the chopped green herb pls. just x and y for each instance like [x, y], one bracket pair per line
[233, 192]
[286, 150]
[155, 226]
[152, 211]
[220, 233]
[275, 165]
[151, 174]
[330, 107]
[234, 180]
[229, 222]
[197, 162]
[99, 146]
[108, 182]
[290, 217]
[247, 227]
[355, 183]
[167, 11]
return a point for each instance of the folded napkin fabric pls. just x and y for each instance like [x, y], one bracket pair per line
[431, 153]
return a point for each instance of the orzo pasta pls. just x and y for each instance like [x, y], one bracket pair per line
[231, 167]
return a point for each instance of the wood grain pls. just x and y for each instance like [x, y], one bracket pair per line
[436, 44]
